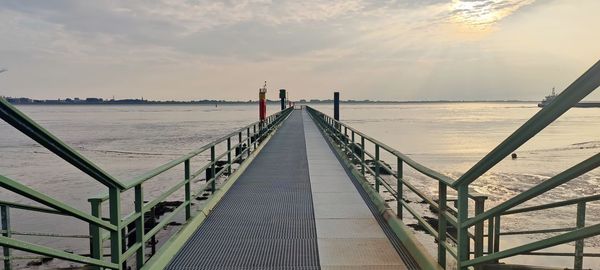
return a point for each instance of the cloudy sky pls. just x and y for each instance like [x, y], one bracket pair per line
[367, 49]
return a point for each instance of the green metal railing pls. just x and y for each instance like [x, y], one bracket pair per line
[115, 228]
[474, 223]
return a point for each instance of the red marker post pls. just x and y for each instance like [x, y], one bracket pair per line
[262, 103]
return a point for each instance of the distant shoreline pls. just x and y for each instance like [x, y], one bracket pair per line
[26, 101]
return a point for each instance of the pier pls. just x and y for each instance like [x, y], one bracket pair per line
[301, 190]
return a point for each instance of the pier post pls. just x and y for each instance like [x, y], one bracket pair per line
[336, 106]
[282, 95]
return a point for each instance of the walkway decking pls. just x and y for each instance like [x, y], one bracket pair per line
[293, 208]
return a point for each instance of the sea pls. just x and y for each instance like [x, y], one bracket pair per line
[128, 140]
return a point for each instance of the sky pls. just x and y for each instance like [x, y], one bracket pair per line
[365, 49]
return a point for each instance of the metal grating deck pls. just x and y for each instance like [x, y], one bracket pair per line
[266, 220]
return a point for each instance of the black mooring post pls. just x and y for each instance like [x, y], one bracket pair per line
[336, 105]
[282, 97]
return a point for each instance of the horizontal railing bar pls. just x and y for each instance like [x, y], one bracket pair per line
[541, 244]
[46, 234]
[203, 188]
[163, 196]
[538, 231]
[32, 208]
[560, 254]
[130, 219]
[41, 250]
[580, 88]
[559, 179]
[420, 219]
[163, 222]
[553, 205]
[130, 251]
[46, 200]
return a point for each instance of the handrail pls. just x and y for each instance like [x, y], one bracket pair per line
[415, 165]
[32, 208]
[461, 217]
[580, 88]
[561, 178]
[44, 199]
[20, 121]
[165, 167]
[249, 137]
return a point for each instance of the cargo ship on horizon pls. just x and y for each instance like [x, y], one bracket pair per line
[549, 98]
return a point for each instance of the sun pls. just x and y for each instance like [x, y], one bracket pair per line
[483, 14]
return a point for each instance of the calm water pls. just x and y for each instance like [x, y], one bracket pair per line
[449, 137]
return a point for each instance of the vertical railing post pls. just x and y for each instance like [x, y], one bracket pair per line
[116, 236]
[463, 232]
[254, 133]
[362, 155]
[188, 189]
[578, 264]
[5, 218]
[213, 169]
[442, 223]
[248, 142]
[229, 155]
[479, 208]
[377, 167]
[497, 234]
[240, 145]
[352, 157]
[139, 223]
[490, 237]
[95, 235]
[399, 187]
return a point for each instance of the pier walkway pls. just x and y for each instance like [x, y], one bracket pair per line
[294, 207]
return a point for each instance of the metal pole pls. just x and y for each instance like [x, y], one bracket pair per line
[213, 169]
[336, 105]
[578, 264]
[443, 190]
[377, 167]
[116, 236]
[5, 215]
[229, 155]
[463, 233]
[96, 237]
[362, 154]
[139, 223]
[282, 95]
[188, 189]
[479, 208]
[399, 187]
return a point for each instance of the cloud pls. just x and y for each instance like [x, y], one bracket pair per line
[139, 45]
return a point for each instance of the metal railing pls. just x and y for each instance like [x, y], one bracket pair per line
[467, 247]
[127, 234]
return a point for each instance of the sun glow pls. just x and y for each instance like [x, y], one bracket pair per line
[483, 14]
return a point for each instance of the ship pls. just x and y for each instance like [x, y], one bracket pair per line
[549, 98]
